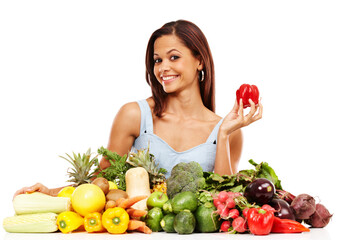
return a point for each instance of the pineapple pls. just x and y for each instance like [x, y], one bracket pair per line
[146, 160]
[81, 171]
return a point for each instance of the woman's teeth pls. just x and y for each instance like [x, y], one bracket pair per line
[168, 78]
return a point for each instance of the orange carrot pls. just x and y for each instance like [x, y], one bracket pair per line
[135, 213]
[127, 203]
[119, 201]
[135, 224]
[144, 229]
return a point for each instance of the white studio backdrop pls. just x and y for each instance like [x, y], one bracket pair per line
[66, 67]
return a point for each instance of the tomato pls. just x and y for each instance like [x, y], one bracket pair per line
[88, 198]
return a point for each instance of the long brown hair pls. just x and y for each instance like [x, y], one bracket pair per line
[194, 39]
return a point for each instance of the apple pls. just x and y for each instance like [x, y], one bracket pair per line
[156, 199]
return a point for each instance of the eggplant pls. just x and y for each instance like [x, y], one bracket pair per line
[283, 209]
[260, 191]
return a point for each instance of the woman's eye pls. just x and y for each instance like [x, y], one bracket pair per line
[174, 57]
[157, 60]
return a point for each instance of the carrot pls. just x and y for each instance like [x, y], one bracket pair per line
[127, 203]
[135, 224]
[135, 213]
[144, 229]
[119, 201]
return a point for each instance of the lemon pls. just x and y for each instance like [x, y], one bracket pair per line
[112, 185]
[66, 192]
[88, 198]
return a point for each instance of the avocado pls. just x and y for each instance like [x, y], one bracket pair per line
[184, 200]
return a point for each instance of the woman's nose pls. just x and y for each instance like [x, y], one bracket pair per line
[165, 66]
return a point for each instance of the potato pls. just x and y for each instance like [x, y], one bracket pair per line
[115, 194]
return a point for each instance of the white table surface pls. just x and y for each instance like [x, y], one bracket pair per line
[330, 232]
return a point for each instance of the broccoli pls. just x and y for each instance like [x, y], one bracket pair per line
[185, 177]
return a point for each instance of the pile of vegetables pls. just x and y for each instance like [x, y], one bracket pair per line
[120, 200]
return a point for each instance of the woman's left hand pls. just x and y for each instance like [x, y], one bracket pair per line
[236, 119]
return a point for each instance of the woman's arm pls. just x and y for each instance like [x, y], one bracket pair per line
[125, 129]
[229, 138]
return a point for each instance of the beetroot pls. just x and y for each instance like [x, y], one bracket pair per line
[320, 218]
[303, 206]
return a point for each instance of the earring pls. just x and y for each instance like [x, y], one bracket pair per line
[202, 76]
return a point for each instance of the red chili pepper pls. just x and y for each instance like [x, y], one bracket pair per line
[260, 221]
[287, 226]
[247, 92]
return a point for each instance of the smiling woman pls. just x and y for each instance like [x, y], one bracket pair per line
[178, 122]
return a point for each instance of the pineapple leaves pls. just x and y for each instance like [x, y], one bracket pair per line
[81, 171]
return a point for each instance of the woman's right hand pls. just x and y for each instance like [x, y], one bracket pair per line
[236, 119]
[38, 187]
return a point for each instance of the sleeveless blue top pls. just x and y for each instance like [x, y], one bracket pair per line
[165, 156]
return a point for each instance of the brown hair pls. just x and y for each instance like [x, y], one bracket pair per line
[194, 39]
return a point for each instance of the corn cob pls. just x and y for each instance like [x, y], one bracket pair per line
[40, 203]
[31, 223]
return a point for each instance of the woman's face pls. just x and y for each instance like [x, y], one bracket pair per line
[175, 66]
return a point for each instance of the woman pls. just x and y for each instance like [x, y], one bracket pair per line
[179, 122]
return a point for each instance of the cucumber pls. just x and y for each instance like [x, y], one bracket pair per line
[207, 219]
[184, 200]
[167, 223]
[184, 222]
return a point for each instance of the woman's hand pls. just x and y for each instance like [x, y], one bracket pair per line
[38, 187]
[236, 119]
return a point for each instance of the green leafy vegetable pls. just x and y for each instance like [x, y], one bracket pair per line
[117, 170]
[263, 170]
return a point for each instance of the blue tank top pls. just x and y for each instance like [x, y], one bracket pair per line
[165, 156]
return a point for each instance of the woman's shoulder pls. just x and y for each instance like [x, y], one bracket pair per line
[128, 118]
[131, 111]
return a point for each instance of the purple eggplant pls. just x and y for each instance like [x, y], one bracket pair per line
[260, 191]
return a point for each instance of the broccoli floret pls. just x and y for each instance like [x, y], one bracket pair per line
[185, 177]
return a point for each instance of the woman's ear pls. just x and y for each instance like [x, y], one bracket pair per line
[200, 66]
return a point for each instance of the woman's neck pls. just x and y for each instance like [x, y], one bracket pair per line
[187, 104]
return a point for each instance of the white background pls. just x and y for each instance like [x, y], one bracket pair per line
[66, 67]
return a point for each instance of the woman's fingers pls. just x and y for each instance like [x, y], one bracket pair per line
[240, 111]
[260, 112]
[38, 187]
[251, 117]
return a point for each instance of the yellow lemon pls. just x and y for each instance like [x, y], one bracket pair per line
[88, 198]
[112, 185]
[66, 192]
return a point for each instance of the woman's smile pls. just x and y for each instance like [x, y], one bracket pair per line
[169, 78]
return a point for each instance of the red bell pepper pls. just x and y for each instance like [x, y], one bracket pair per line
[246, 92]
[287, 226]
[260, 221]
